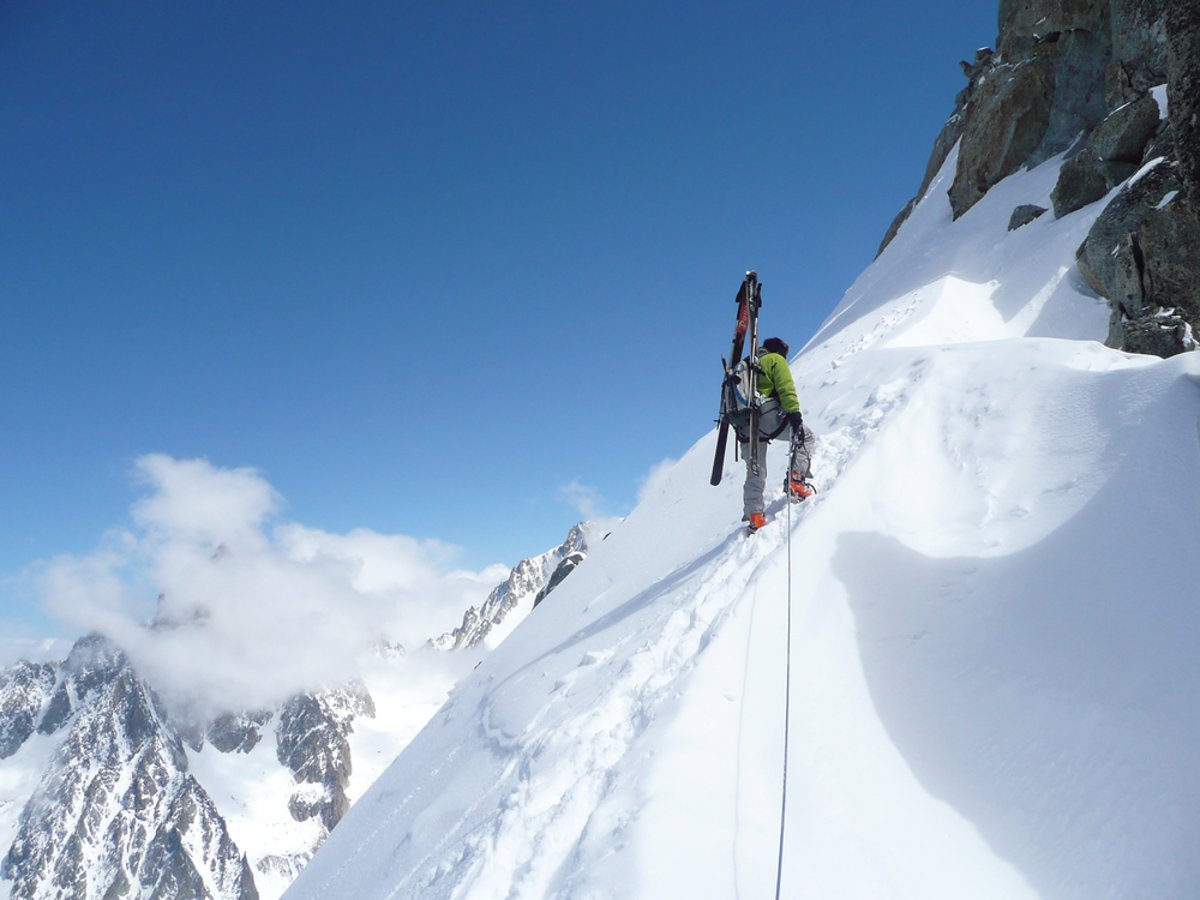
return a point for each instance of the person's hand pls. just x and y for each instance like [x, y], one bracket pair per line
[796, 421]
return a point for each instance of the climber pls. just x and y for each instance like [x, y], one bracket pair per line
[779, 415]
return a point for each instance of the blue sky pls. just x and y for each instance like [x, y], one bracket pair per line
[434, 269]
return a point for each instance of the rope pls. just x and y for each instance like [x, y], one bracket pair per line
[787, 702]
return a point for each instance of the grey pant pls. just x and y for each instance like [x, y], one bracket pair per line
[756, 482]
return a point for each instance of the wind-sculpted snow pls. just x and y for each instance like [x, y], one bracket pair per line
[971, 280]
[992, 604]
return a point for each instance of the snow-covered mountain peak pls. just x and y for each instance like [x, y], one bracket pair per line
[527, 585]
[132, 820]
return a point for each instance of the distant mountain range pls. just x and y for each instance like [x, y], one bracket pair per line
[106, 792]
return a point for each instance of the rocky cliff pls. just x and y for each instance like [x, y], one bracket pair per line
[1112, 86]
[527, 585]
[117, 811]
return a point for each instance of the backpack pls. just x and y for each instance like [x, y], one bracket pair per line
[738, 396]
[737, 407]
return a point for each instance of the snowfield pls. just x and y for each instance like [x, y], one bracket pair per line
[993, 628]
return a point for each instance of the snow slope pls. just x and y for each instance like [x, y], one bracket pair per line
[992, 604]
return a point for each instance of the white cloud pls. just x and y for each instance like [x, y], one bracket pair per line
[422, 597]
[14, 646]
[586, 500]
[194, 500]
[249, 613]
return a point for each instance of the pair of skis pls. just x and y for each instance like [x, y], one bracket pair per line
[749, 301]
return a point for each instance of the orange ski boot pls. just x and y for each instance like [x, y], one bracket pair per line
[799, 489]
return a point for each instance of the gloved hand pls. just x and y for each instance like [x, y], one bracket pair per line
[796, 421]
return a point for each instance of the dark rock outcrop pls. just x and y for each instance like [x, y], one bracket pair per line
[901, 218]
[1024, 214]
[565, 568]
[1077, 61]
[239, 733]
[1141, 254]
[1114, 151]
[1125, 132]
[312, 736]
[1080, 181]
[1025, 24]
[1040, 93]
[1033, 98]
[1183, 90]
[24, 691]
[1139, 49]
[1003, 125]
[1084, 78]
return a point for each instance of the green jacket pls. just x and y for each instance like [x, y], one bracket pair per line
[775, 380]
